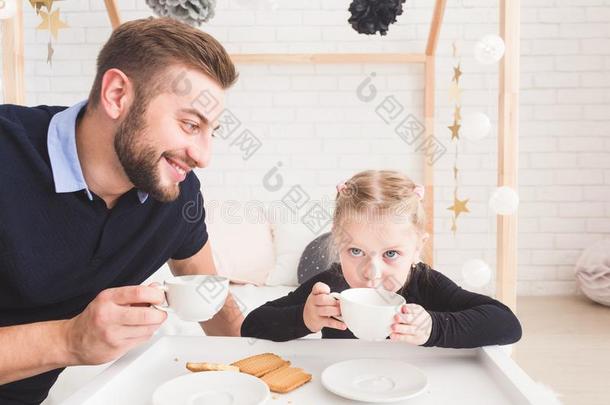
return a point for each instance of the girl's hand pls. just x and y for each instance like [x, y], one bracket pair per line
[320, 307]
[413, 324]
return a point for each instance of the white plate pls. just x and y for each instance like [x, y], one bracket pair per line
[212, 387]
[374, 380]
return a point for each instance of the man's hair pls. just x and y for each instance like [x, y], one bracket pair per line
[144, 49]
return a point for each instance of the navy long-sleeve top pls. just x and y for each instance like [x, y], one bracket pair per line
[460, 318]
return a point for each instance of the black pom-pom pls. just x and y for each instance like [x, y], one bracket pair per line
[370, 16]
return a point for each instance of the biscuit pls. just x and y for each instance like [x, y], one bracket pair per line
[260, 364]
[210, 367]
[286, 379]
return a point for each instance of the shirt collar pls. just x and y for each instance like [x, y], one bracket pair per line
[61, 142]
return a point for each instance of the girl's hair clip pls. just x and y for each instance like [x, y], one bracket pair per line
[341, 186]
[419, 190]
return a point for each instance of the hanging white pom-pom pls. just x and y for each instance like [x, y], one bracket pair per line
[7, 9]
[475, 126]
[489, 49]
[504, 201]
[192, 12]
[476, 273]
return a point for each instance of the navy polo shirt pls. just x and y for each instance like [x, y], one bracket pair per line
[59, 243]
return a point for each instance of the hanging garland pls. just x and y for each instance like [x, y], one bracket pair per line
[455, 95]
[370, 16]
[192, 12]
[473, 127]
[51, 21]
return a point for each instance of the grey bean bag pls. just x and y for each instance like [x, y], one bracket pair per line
[315, 258]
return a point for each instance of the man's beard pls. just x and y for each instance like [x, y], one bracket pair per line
[141, 162]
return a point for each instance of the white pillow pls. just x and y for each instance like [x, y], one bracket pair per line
[289, 239]
[593, 272]
[242, 246]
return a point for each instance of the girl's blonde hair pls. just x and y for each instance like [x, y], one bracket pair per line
[376, 193]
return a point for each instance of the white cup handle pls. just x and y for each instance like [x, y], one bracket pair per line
[163, 307]
[336, 296]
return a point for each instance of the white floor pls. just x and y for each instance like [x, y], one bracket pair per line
[566, 346]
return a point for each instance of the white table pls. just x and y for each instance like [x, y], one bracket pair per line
[465, 376]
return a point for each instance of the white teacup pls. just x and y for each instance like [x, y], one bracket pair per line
[369, 312]
[194, 298]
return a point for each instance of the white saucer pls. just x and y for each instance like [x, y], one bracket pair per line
[374, 380]
[212, 387]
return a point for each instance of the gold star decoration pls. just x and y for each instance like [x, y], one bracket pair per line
[457, 72]
[455, 93]
[457, 113]
[455, 130]
[50, 52]
[51, 22]
[36, 5]
[459, 206]
[39, 4]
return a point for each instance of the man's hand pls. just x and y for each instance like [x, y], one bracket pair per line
[113, 323]
[319, 309]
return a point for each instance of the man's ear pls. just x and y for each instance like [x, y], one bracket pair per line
[115, 93]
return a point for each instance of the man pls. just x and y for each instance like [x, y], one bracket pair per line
[96, 197]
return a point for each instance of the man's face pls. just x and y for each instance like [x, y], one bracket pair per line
[157, 147]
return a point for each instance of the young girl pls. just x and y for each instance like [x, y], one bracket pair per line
[378, 230]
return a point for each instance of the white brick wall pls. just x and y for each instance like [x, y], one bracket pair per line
[308, 117]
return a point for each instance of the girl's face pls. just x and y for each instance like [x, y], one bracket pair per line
[379, 252]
